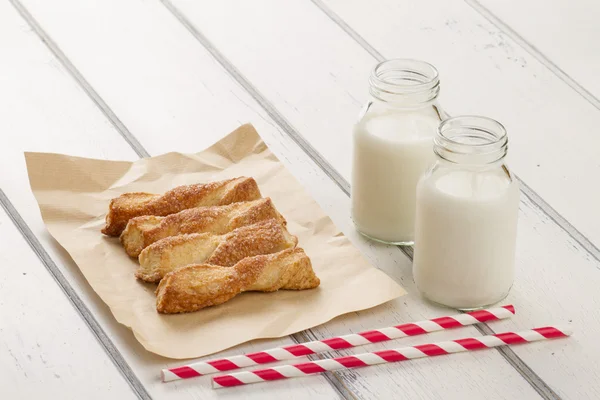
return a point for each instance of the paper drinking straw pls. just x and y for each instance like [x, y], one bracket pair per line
[335, 343]
[388, 356]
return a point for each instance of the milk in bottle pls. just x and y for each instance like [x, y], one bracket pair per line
[466, 217]
[393, 147]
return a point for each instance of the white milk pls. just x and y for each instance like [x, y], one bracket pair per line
[465, 236]
[392, 149]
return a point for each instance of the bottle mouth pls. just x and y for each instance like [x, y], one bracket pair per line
[471, 139]
[404, 81]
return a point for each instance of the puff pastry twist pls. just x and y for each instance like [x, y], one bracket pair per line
[143, 231]
[173, 252]
[130, 205]
[194, 287]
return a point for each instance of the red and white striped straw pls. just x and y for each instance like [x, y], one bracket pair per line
[335, 343]
[387, 356]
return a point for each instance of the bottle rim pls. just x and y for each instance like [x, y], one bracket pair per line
[404, 80]
[471, 139]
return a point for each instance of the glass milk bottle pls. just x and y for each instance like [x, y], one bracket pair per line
[466, 219]
[393, 142]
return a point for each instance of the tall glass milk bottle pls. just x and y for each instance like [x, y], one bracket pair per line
[466, 223]
[393, 142]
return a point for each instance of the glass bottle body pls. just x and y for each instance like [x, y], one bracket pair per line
[466, 217]
[393, 142]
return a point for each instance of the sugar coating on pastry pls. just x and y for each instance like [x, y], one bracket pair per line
[167, 254]
[197, 286]
[145, 230]
[131, 205]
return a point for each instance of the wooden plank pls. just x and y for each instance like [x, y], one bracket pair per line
[557, 283]
[547, 256]
[561, 38]
[102, 34]
[68, 122]
[45, 346]
[483, 71]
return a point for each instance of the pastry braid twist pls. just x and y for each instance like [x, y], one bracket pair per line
[145, 230]
[130, 205]
[196, 286]
[173, 252]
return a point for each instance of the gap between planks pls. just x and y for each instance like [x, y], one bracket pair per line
[534, 51]
[75, 300]
[334, 379]
[87, 88]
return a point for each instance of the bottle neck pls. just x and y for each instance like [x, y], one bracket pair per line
[471, 140]
[404, 83]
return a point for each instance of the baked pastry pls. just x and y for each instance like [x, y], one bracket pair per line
[143, 231]
[173, 252]
[130, 205]
[196, 286]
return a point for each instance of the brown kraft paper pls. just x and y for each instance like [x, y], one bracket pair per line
[73, 194]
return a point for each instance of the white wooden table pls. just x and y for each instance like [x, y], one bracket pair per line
[122, 79]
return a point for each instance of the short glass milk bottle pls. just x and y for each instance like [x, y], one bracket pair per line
[466, 219]
[393, 142]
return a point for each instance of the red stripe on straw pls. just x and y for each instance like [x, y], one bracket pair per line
[471, 344]
[411, 329]
[447, 322]
[268, 374]
[261, 357]
[374, 336]
[185, 372]
[510, 338]
[227, 381]
[483, 315]
[351, 362]
[510, 308]
[431, 349]
[298, 350]
[549, 332]
[337, 343]
[223, 365]
[391, 355]
[310, 368]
